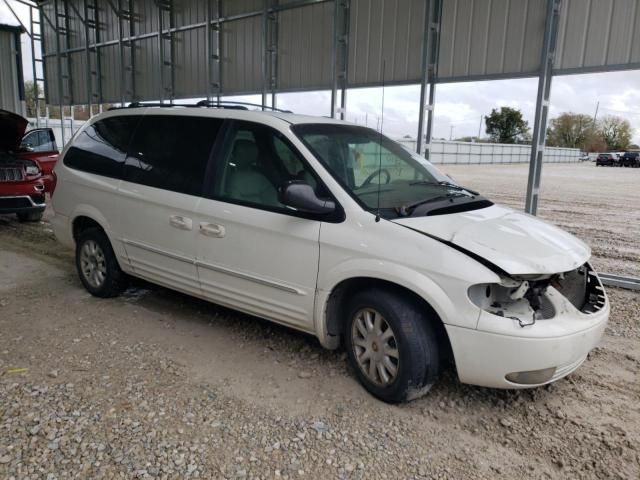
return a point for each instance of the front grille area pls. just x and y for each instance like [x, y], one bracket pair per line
[14, 202]
[583, 289]
[11, 174]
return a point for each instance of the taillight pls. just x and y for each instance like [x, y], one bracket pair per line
[54, 182]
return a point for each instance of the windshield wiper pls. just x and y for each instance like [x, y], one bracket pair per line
[443, 183]
[406, 210]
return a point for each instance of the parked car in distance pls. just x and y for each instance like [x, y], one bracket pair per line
[332, 229]
[22, 180]
[607, 159]
[589, 157]
[630, 159]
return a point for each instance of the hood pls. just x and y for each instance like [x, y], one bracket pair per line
[518, 243]
[12, 128]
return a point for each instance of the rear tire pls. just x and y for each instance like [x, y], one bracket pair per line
[29, 216]
[97, 265]
[391, 332]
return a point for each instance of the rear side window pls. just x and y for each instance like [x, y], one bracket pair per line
[171, 152]
[101, 148]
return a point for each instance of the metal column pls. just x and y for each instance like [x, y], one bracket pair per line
[542, 104]
[269, 50]
[272, 52]
[167, 56]
[213, 49]
[430, 50]
[56, 28]
[340, 57]
[265, 35]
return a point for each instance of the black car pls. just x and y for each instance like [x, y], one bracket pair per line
[607, 159]
[630, 159]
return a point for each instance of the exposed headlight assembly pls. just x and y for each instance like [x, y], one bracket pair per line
[521, 300]
[32, 170]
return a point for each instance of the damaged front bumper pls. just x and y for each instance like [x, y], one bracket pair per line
[516, 345]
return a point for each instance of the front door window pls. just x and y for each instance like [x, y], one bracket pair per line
[257, 163]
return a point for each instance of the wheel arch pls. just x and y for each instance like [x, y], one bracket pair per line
[85, 217]
[82, 223]
[336, 303]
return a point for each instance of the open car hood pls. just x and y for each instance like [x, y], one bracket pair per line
[12, 128]
[518, 243]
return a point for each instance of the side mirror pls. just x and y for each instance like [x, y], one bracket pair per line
[26, 147]
[300, 196]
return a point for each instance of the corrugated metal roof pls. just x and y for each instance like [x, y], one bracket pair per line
[486, 38]
[596, 34]
[480, 39]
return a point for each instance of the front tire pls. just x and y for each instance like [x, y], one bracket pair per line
[391, 344]
[97, 265]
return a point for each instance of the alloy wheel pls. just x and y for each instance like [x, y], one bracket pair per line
[93, 263]
[375, 347]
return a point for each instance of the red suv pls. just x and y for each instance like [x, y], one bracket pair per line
[26, 167]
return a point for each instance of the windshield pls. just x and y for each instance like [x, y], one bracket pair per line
[368, 164]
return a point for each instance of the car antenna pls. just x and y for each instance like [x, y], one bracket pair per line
[384, 64]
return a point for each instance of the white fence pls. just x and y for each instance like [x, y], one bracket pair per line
[443, 151]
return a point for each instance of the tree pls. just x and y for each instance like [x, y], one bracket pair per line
[571, 130]
[595, 143]
[507, 126]
[30, 98]
[616, 132]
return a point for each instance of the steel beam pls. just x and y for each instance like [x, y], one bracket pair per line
[59, 65]
[340, 57]
[265, 49]
[32, 42]
[132, 59]
[547, 58]
[272, 51]
[68, 55]
[430, 51]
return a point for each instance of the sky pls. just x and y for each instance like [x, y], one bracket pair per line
[459, 106]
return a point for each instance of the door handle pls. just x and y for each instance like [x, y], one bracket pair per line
[212, 230]
[181, 223]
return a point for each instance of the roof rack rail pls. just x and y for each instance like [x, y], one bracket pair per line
[230, 104]
[202, 103]
[143, 105]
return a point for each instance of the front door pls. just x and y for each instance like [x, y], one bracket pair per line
[159, 194]
[254, 254]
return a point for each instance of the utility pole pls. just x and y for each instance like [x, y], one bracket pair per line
[480, 128]
[451, 132]
[595, 115]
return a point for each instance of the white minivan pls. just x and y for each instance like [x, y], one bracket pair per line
[332, 229]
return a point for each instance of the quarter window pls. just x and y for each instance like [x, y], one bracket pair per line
[171, 152]
[101, 147]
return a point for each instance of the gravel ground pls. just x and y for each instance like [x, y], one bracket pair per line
[158, 385]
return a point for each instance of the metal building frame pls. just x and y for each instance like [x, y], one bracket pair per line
[218, 13]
